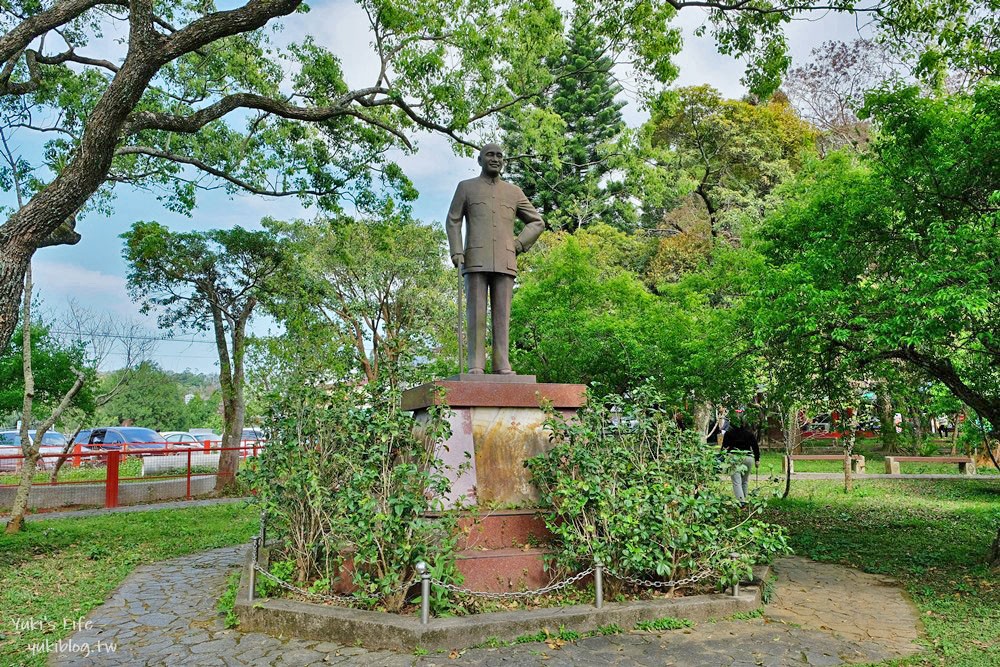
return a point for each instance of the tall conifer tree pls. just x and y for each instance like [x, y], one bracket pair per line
[565, 146]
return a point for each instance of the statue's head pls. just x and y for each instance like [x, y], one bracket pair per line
[491, 159]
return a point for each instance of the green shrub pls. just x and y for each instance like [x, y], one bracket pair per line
[624, 485]
[345, 485]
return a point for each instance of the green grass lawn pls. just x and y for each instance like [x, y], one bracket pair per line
[931, 535]
[62, 568]
[770, 464]
[130, 467]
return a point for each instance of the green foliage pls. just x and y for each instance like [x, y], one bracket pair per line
[892, 255]
[345, 485]
[665, 623]
[191, 276]
[625, 486]
[576, 319]
[53, 365]
[227, 601]
[204, 412]
[567, 141]
[151, 398]
[377, 289]
[747, 615]
[730, 153]
[546, 635]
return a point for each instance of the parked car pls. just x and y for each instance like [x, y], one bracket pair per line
[252, 434]
[82, 437]
[183, 440]
[53, 442]
[126, 439]
[204, 434]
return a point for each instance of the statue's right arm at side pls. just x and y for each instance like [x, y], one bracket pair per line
[453, 226]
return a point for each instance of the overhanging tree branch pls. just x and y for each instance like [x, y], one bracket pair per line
[34, 26]
[191, 123]
[214, 171]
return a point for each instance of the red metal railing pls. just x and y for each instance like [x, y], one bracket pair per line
[106, 490]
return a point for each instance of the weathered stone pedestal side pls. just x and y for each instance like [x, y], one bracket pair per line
[496, 425]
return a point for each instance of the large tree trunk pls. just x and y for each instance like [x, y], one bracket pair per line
[33, 225]
[886, 418]
[988, 407]
[231, 376]
[994, 555]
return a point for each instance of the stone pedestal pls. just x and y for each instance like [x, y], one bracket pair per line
[496, 425]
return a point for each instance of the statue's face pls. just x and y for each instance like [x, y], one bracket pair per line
[491, 159]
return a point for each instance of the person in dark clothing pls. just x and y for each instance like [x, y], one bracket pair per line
[741, 440]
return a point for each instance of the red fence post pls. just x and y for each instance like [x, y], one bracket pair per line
[111, 480]
[77, 449]
[189, 476]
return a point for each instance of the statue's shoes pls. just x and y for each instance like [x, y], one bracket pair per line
[475, 371]
[509, 371]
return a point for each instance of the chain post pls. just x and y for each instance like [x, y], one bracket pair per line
[425, 592]
[253, 567]
[598, 583]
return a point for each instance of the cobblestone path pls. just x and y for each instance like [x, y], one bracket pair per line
[165, 614]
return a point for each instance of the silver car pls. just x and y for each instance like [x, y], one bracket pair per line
[53, 442]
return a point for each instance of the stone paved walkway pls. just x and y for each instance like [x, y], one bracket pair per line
[165, 614]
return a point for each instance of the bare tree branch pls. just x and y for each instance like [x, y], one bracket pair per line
[18, 38]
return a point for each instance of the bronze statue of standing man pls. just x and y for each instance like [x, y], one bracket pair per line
[488, 257]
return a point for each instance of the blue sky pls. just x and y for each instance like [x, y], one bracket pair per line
[93, 272]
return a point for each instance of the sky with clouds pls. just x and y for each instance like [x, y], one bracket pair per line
[93, 272]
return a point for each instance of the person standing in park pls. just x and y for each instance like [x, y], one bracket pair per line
[487, 256]
[741, 440]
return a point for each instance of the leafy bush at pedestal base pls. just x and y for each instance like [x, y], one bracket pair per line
[345, 485]
[624, 485]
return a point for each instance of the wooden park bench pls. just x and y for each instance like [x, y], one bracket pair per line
[966, 465]
[857, 461]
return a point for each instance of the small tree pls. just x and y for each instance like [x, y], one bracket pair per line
[379, 288]
[29, 445]
[150, 398]
[207, 281]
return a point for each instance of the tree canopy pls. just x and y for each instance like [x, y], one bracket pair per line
[199, 96]
[53, 364]
[892, 255]
[565, 144]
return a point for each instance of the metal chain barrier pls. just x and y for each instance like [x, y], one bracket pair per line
[340, 599]
[677, 583]
[335, 598]
[426, 581]
[514, 594]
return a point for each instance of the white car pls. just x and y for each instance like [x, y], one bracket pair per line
[183, 440]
